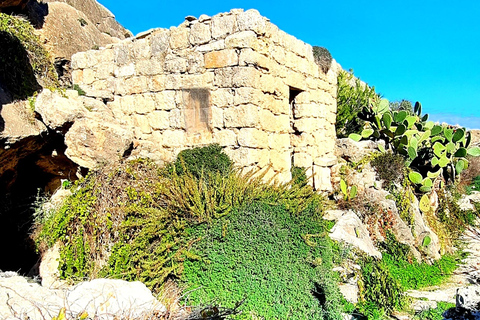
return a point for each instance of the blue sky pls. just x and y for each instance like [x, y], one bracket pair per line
[427, 51]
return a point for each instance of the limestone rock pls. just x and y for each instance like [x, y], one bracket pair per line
[49, 268]
[350, 229]
[101, 17]
[108, 298]
[67, 31]
[467, 202]
[97, 140]
[468, 298]
[21, 298]
[17, 122]
[354, 151]
[58, 111]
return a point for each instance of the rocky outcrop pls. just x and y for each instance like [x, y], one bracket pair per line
[93, 136]
[22, 298]
[67, 31]
[100, 16]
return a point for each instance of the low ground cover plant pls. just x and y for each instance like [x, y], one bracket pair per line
[279, 261]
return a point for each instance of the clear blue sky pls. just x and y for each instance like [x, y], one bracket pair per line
[427, 51]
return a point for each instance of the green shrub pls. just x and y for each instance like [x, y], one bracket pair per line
[23, 60]
[201, 160]
[352, 97]
[299, 176]
[434, 313]
[389, 167]
[130, 221]
[279, 261]
[323, 58]
[415, 275]
[379, 287]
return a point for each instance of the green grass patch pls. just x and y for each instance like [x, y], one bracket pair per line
[279, 261]
[23, 60]
[416, 275]
[434, 313]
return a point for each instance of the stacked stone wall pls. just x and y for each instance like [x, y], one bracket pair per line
[234, 79]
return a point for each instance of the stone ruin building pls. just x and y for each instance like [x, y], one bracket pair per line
[234, 79]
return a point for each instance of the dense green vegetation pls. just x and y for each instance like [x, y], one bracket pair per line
[352, 97]
[23, 60]
[141, 222]
[279, 261]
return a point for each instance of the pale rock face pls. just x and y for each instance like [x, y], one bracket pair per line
[94, 141]
[107, 297]
[350, 229]
[56, 111]
[101, 299]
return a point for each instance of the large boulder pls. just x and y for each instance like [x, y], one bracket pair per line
[66, 31]
[101, 17]
[23, 298]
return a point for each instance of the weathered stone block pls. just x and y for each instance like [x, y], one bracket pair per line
[212, 46]
[159, 42]
[302, 140]
[132, 85]
[225, 138]
[174, 138]
[281, 160]
[177, 119]
[165, 100]
[279, 141]
[322, 179]
[248, 57]
[124, 70]
[200, 33]
[105, 70]
[122, 54]
[220, 59]
[141, 49]
[88, 76]
[252, 20]
[175, 64]
[217, 117]
[222, 97]
[246, 77]
[156, 83]
[307, 124]
[253, 138]
[223, 26]
[79, 61]
[179, 38]
[159, 120]
[178, 82]
[277, 106]
[244, 39]
[273, 123]
[303, 110]
[243, 157]
[244, 116]
[195, 62]
[302, 159]
[246, 95]
[144, 103]
[77, 76]
[150, 67]
[141, 122]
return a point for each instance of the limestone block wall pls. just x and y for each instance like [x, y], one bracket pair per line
[234, 79]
